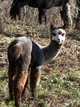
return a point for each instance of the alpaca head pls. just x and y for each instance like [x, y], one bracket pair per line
[58, 34]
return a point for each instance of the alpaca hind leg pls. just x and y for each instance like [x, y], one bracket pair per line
[34, 80]
[11, 75]
[25, 88]
[19, 84]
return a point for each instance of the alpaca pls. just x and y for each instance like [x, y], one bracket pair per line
[41, 5]
[25, 56]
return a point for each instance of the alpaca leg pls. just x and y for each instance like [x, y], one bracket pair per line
[42, 15]
[19, 84]
[25, 84]
[19, 16]
[64, 16]
[25, 87]
[34, 80]
[11, 75]
[14, 14]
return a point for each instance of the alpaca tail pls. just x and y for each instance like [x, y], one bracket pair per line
[14, 52]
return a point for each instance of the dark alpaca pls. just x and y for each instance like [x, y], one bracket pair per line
[25, 55]
[42, 5]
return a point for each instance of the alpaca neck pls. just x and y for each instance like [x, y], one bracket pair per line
[52, 50]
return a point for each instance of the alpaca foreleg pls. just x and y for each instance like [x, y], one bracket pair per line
[19, 84]
[34, 80]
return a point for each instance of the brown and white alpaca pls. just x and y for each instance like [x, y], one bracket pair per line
[24, 54]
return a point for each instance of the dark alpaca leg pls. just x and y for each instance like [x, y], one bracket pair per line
[39, 16]
[19, 84]
[16, 8]
[14, 12]
[18, 13]
[34, 80]
[42, 15]
[11, 75]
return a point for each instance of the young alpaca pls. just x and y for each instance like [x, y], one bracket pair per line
[24, 54]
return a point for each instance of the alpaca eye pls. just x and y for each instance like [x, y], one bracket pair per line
[53, 34]
[59, 33]
[62, 34]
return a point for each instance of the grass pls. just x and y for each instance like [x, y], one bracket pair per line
[60, 80]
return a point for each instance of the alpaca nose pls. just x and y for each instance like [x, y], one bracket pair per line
[59, 40]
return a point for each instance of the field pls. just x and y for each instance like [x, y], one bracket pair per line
[60, 80]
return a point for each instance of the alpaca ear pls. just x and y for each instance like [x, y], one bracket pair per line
[52, 27]
[65, 26]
